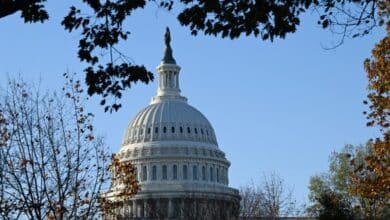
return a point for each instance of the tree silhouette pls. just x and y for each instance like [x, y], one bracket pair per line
[267, 20]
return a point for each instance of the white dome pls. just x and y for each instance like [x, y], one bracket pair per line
[169, 120]
[177, 159]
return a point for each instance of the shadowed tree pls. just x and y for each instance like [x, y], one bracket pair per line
[101, 25]
[333, 206]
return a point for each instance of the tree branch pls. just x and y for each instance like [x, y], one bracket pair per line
[9, 7]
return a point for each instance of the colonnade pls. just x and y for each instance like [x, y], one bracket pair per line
[173, 208]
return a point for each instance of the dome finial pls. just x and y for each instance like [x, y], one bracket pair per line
[168, 58]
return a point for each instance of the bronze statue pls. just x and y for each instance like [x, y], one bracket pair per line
[168, 57]
[167, 37]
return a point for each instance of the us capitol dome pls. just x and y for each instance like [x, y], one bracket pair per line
[182, 172]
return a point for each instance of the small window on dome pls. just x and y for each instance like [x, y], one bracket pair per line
[196, 131]
[181, 129]
[188, 130]
[165, 129]
[164, 172]
[195, 172]
[173, 129]
[201, 131]
[154, 173]
[175, 172]
[185, 174]
[148, 130]
[203, 173]
[156, 130]
[207, 132]
[144, 173]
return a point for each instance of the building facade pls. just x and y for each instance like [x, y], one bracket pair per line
[182, 172]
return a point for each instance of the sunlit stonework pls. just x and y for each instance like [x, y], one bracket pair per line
[181, 170]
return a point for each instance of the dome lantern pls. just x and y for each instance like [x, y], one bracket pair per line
[168, 81]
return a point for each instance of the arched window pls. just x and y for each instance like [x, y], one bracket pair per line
[201, 131]
[196, 131]
[211, 174]
[165, 129]
[203, 173]
[181, 129]
[154, 173]
[156, 130]
[207, 132]
[175, 172]
[144, 173]
[217, 175]
[195, 172]
[173, 129]
[164, 172]
[188, 130]
[185, 174]
[148, 130]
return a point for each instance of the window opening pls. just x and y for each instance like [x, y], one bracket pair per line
[195, 172]
[175, 172]
[144, 173]
[164, 172]
[185, 175]
[154, 173]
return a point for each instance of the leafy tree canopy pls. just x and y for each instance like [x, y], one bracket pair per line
[332, 193]
[376, 187]
[267, 20]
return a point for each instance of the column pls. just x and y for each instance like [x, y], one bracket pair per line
[134, 208]
[194, 208]
[130, 208]
[146, 208]
[182, 208]
[170, 208]
[140, 208]
[158, 208]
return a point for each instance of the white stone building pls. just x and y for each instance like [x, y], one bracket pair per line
[181, 170]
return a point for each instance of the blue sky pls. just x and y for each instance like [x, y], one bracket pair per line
[276, 107]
